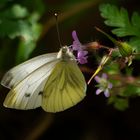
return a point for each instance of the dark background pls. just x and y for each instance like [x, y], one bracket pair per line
[91, 119]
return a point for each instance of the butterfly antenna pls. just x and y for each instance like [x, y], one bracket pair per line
[57, 28]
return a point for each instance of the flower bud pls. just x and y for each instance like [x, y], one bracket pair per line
[124, 48]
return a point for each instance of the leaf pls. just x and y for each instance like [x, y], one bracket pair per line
[27, 45]
[135, 42]
[113, 16]
[112, 68]
[118, 18]
[119, 103]
[14, 29]
[131, 90]
[25, 48]
[16, 21]
[136, 20]
[16, 11]
[12, 24]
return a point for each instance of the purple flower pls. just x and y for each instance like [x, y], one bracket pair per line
[103, 84]
[77, 46]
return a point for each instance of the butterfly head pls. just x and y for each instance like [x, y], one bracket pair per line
[64, 49]
[66, 54]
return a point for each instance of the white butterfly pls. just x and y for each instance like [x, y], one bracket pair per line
[52, 81]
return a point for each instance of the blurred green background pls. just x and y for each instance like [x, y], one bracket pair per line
[27, 29]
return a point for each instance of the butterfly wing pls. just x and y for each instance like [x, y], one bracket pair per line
[64, 88]
[27, 94]
[18, 73]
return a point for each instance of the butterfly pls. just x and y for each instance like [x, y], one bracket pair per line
[52, 81]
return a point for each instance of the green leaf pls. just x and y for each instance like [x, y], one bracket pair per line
[21, 26]
[119, 103]
[135, 42]
[17, 22]
[112, 68]
[12, 24]
[118, 18]
[15, 28]
[16, 11]
[136, 20]
[26, 46]
[24, 50]
[131, 90]
[113, 16]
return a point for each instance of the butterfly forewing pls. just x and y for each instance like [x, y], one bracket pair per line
[64, 88]
[52, 81]
[18, 73]
[27, 94]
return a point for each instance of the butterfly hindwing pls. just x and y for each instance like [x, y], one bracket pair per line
[64, 88]
[18, 73]
[27, 94]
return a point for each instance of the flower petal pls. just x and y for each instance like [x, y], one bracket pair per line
[98, 91]
[81, 57]
[97, 79]
[106, 93]
[76, 43]
[81, 54]
[104, 76]
[110, 85]
[82, 60]
[74, 35]
[76, 46]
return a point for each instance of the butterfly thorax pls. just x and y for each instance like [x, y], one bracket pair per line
[65, 54]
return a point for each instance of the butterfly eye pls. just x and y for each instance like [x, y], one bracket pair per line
[64, 49]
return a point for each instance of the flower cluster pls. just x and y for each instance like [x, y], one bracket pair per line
[77, 46]
[103, 84]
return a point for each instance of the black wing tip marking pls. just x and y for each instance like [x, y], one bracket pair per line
[6, 80]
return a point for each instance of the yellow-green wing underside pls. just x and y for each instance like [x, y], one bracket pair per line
[64, 88]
